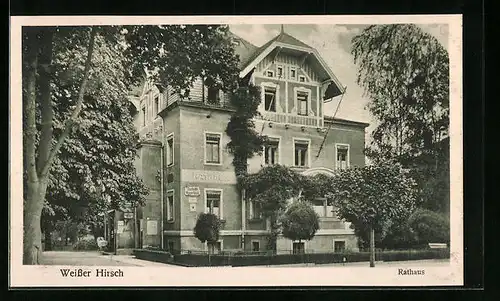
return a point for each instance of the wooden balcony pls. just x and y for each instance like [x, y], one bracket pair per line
[309, 121]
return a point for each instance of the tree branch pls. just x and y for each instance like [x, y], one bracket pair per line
[47, 112]
[71, 121]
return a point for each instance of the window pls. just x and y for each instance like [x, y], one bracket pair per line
[255, 210]
[339, 246]
[214, 198]
[156, 106]
[270, 73]
[279, 71]
[213, 95]
[169, 208]
[302, 99]
[170, 150]
[212, 148]
[302, 78]
[271, 152]
[293, 73]
[143, 116]
[270, 99]
[301, 156]
[323, 208]
[342, 160]
[255, 246]
[298, 248]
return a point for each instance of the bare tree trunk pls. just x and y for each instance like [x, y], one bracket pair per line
[32, 244]
[372, 247]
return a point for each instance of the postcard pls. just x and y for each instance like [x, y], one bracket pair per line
[236, 151]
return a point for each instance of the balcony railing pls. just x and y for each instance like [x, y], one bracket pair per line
[312, 121]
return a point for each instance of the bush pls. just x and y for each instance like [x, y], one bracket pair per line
[85, 245]
[430, 227]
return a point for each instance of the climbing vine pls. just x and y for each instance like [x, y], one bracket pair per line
[245, 140]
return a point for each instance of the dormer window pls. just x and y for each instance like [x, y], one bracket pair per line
[269, 73]
[279, 71]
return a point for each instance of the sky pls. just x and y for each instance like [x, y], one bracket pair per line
[333, 42]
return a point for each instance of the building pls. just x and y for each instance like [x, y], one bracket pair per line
[184, 161]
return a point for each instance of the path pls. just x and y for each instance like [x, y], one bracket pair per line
[77, 258]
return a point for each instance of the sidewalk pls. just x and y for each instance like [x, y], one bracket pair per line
[131, 260]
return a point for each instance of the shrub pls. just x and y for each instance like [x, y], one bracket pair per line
[430, 226]
[85, 245]
[300, 221]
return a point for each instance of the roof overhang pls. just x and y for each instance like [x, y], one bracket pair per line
[334, 87]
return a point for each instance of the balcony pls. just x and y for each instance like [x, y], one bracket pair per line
[310, 121]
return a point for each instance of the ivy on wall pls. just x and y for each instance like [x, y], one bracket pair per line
[245, 140]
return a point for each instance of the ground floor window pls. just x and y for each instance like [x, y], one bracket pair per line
[255, 246]
[298, 248]
[339, 246]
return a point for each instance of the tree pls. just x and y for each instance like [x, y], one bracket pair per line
[37, 60]
[405, 74]
[94, 171]
[300, 221]
[207, 229]
[373, 197]
[205, 53]
[245, 141]
[272, 188]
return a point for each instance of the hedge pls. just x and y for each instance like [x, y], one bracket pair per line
[281, 259]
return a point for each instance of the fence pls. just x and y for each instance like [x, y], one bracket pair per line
[247, 258]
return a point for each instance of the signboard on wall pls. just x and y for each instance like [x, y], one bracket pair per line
[192, 191]
[192, 200]
[208, 176]
[128, 215]
[152, 227]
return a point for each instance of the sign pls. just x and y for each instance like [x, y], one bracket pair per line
[121, 226]
[128, 215]
[192, 207]
[192, 191]
[152, 227]
[192, 200]
[208, 176]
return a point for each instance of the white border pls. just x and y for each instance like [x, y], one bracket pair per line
[40, 276]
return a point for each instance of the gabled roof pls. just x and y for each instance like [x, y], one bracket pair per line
[281, 38]
[285, 40]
